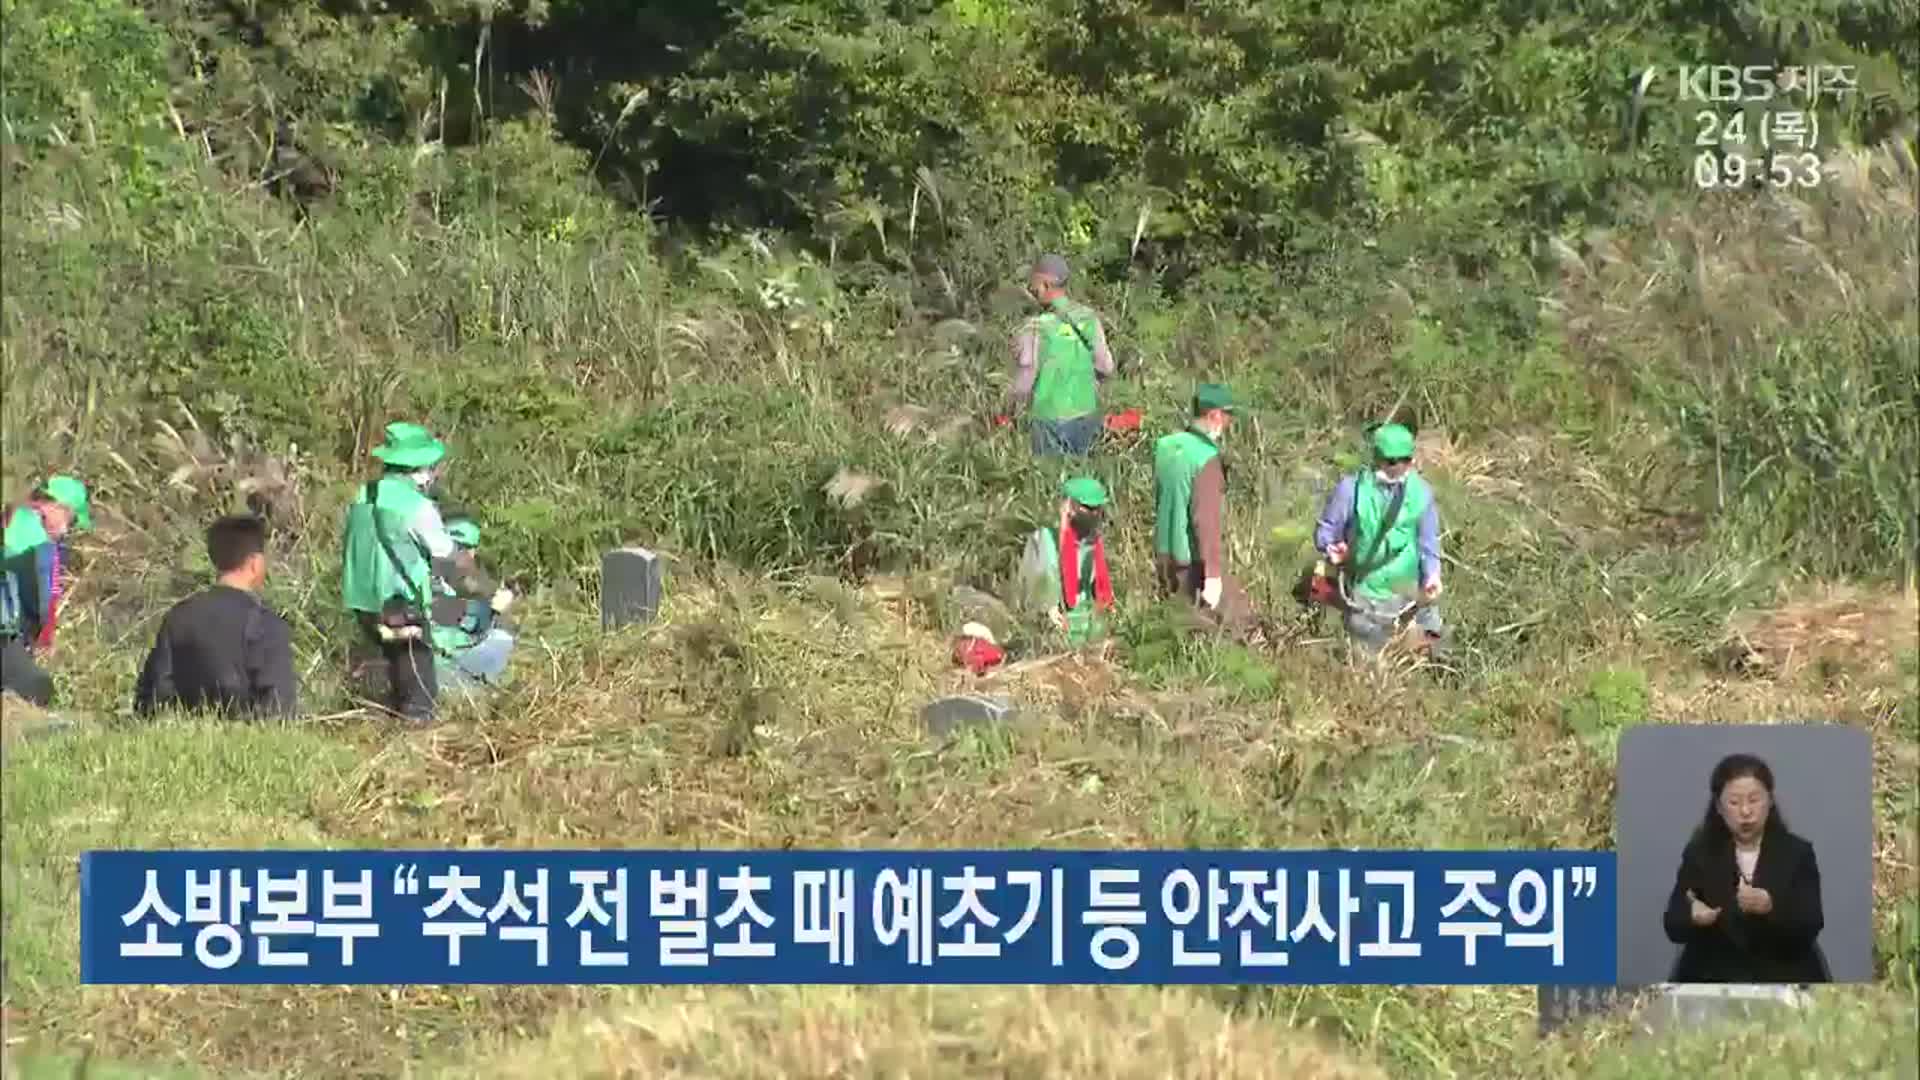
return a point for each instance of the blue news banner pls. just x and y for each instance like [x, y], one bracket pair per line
[860, 917]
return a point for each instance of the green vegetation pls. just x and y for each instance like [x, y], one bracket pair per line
[676, 278]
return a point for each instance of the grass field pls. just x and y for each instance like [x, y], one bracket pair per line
[1688, 495]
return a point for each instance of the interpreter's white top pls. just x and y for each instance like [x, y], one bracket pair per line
[1748, 858]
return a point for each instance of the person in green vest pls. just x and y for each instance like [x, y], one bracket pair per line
[1381, 526]
[1190, 484]
[394, 547]
[1065, 567]
[466, 632]
[33, 581]
[1060, 358]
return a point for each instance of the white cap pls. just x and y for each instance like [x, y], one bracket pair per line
[974, 629]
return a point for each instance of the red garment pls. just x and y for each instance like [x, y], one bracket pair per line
[1070, 569]
[977, 655]
[52, 615]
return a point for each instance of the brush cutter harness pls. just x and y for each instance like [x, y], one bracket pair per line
[381, 577]
[1065, 386]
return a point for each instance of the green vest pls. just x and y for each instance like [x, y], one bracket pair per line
[1395, 570]
[20, 569]
[1177, 459]
[368, 576]
[1065, 386]
[1084, 622]
[24, 532]
[459, 637]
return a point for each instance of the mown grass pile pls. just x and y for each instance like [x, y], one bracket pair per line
[1677, 471]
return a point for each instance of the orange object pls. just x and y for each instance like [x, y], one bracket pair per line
[1122, 422]
[1002, 420]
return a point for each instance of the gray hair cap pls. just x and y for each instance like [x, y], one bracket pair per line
[1053, 266]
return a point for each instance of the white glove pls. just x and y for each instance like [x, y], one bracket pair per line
[502, 600]
[1057, 618]
[1210, 592]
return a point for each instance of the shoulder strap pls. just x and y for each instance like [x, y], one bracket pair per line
[1073, 326]
[386, 542]
[1364, 566]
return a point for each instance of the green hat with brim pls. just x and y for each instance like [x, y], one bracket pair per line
[464, 532]
[1210, 396]
[1085, 490]
[1393, 441]
[410, 446]
[72, 494]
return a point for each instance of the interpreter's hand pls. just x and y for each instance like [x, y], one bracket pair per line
[1210, 592]
[501, 601]
[1702, 914]
[1337, 553]
[1430, 591]
[1753, 901]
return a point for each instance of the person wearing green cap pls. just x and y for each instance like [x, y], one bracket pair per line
[1381, 526]
[466, 632]
[394, 547]
[1060, 358]
[1064, 569]
[33, 581]
[1190, 485]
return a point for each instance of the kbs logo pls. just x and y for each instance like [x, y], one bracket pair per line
[1763, 82]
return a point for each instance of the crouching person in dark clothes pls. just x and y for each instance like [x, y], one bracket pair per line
[224, 649]
[466, 630]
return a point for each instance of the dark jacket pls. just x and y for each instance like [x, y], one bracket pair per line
[1778, 947]
[220, 649]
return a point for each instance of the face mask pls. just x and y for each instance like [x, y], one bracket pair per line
[1085, 523]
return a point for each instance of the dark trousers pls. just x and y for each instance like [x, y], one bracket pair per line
[19, 674]
[1185, 580]
[412, 684]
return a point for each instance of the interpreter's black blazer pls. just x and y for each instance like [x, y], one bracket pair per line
[1778, 947]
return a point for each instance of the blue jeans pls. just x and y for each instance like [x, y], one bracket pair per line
[1372, 622]
[481, 666]
[1074, 437]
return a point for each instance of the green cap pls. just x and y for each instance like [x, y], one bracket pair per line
[410, 446]
[1393, 441]
[1210, 396]
[464, 531]
[72, 494]
[1085, 490]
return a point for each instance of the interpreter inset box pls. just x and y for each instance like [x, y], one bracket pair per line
[1745, 854]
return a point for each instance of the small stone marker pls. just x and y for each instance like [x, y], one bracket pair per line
[1663, 1007]
[1687, 1006]
[947, 715]
[630, 587]
[1564, 1006]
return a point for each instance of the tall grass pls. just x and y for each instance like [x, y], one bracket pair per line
[1781, 336]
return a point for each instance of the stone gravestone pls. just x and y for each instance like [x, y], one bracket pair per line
[1688, 1006]
[1564, 1006]
[947, 715]
[631, 584]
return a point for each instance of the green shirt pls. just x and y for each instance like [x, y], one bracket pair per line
[1065, 384]
[1177, 459]
[369, 575]
[1393, 570]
